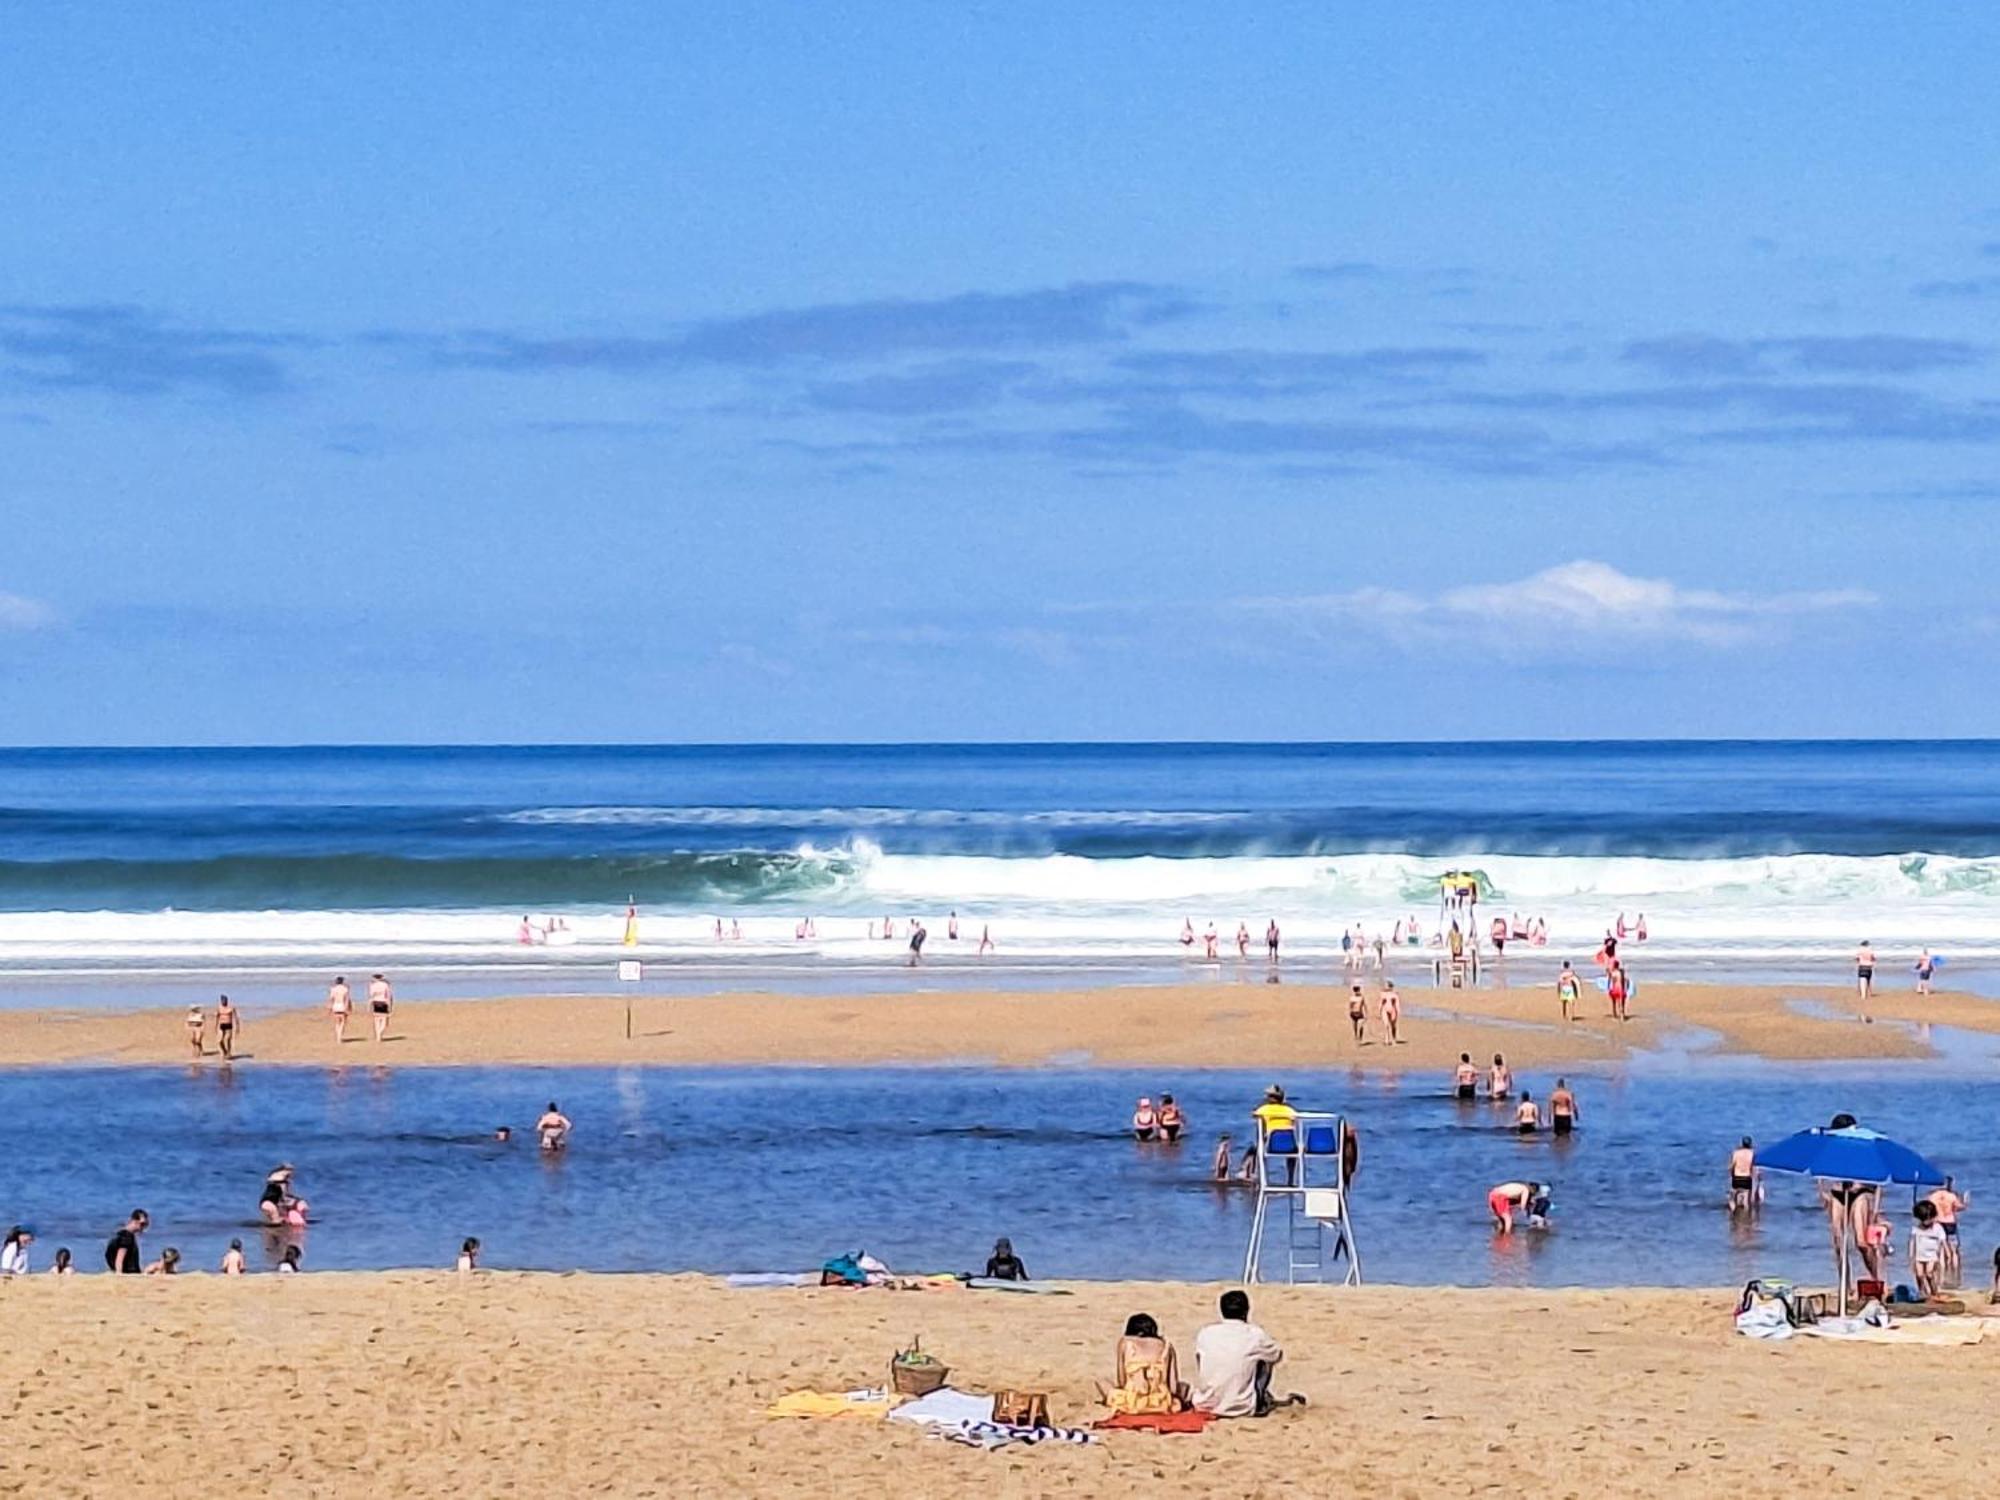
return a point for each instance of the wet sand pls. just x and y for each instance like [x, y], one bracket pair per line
[406, 1384]
[1239, 1025]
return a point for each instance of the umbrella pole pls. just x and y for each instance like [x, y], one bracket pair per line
[1846, 1221]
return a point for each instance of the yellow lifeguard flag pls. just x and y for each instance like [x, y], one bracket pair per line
[631, 925]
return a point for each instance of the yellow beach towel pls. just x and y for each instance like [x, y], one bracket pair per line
[828, 1404]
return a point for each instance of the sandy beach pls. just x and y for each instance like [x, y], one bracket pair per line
[1242, 1025]
[420, 1384]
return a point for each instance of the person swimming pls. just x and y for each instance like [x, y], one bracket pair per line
[1172, 1121]
[553, 1128]
[1466, 1078]
[1145, 1120]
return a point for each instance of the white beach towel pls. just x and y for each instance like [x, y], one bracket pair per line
[945, 1407]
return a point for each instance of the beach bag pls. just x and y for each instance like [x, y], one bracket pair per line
[1021, 1408]
[842, 1270]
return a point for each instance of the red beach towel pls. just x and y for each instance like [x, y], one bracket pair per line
[1148, 1421]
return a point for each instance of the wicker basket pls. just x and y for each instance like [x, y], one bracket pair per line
[915, 1373]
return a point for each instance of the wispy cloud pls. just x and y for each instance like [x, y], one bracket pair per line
[1569, 604]
[20, 613]
[947, 386]
[130, 351]
[1962, 289]
[969, 323]
[1702, 356]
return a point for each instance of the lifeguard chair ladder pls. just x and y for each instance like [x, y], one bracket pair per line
[1306, 1169]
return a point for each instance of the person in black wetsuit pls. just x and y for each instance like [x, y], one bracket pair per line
[1003, 1264]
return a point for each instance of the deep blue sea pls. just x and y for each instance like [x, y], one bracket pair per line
[280, 863]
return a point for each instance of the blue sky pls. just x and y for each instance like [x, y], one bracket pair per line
[466, 372]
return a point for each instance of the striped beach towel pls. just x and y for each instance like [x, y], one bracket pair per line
[991, 1435]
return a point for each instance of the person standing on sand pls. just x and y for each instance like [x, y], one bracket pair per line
[1392, 1012]
[121, 1252]
[1618, 988]
[1950, 1203]
[1569, 989]
[1357, 1013]
[1864, 973]
[339, 1004]
[195, 1024]
[381, 1001]
[226, 1019]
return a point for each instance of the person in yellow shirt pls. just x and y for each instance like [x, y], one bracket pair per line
[1274, 1113]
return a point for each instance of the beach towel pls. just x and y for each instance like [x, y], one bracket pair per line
[1157, 1421]
[1928, 1331]
[945, 1407]
[1027, 1288]
[991, 1435]
[772, 1278]
[872, 1405]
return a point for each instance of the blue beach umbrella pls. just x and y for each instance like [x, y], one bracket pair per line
[1849, 1154]
[1853, 1153]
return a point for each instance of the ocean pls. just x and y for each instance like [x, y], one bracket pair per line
[272, 866]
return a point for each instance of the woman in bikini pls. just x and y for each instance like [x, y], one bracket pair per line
[1568, 991]
[1392, 1012]
[1499, 1081]
[195, 1023]
[339, 1005]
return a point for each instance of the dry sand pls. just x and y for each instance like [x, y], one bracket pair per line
[1240, 1025]
[411, 1384]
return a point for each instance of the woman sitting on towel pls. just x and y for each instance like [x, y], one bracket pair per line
[1149, 1376]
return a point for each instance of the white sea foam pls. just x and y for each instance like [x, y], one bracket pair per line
[1068, 906]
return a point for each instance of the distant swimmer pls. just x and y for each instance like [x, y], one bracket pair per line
[339, 1005]
[1527, 1115]
[1530, 1197]
[1187, 932]
[917, 936]
[1569, 990]
[1271, 940]
[381, 1001]
[1145, 1121]
[1743, 1178]
[1924, 967]
[1864, 972]
[1392, 1012]
[1563, 1113]
[226, 1020]
[735, 930]
[1499, 1081]
[195, 1023]
[985, 939]
[1396, 935]
[527, 934]
[1639, 931]
[1218, 1166]
[1538, 932]
[1208, 941]
[1465, 1081]
[503, 1133]
[1357, 1012]
[1172, 1121]
[1242, 940]
[1497, 930]
[553, 1128]
[951, 927]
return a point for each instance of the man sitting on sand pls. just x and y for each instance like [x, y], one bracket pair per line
[1233, 1363]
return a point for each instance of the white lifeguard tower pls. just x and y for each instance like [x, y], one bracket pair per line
[1306, 1168]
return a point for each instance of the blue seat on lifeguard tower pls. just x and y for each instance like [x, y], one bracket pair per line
[1281, 1142]
[1321, 1140]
